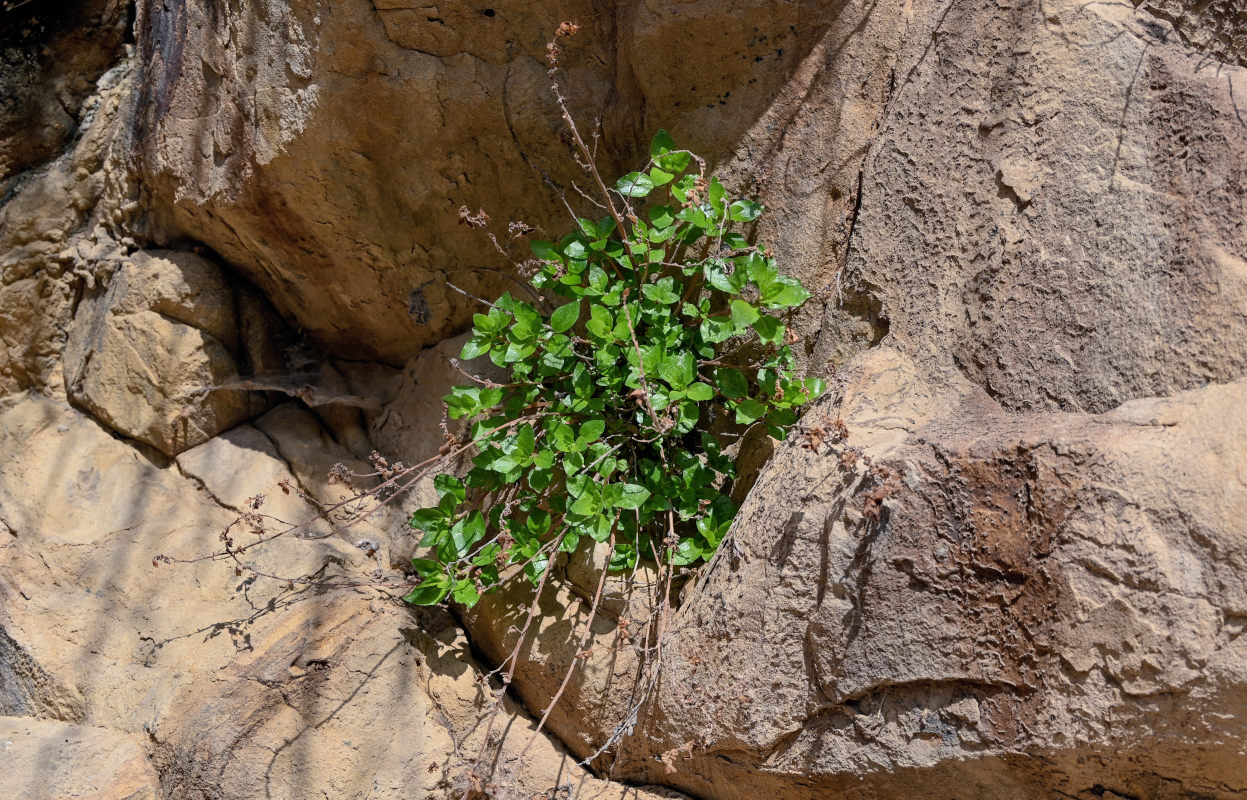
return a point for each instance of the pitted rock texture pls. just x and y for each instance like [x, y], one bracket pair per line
[1055, 206]
[1051, 600]
[1217, 28]
[27, 689]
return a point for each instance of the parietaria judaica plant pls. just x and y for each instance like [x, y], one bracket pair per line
[666, 341]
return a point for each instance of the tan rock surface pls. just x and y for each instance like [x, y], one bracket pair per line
[1055, 205]
[1024, 227]
[43, 760]
[147, 352]
[1050, 601]
[245, 687]
[326, 151]
[56, 237]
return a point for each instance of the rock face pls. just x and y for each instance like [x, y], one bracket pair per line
[55, 761]
[1049, 603]
[1071, 234]
[51, 59]
[149, 354]
[242, 687]
[229, 253]
[326, 150]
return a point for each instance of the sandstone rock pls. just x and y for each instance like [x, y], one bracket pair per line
[1217, 28]
[1054, 204]
[246, 687]
[1023, 226]
[326, 150]
[43, 760]
[149, 353]
[56, 236]
[1048, 604]
[214, 464]
[26, 689]
[50, 65]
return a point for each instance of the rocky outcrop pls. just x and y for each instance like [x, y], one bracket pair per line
[1048, 235]
[1049, 601]
[226, 257]
[242, 686]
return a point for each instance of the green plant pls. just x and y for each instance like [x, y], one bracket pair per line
[614, 422]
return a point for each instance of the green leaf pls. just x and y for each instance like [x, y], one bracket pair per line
[745, 210]
[695, 215]
[600, 323]
[660, 177]
[725, 276]
[540, 479]
[476, 346]
[465, 593]
[590, 432]
[770, 330]
[588, 227]
[544, 458]
[426, 567]
[661, 144]
[661, 217]
[789, 294]
[748, 410]
[564, 317]
[587, 504]
[716, 194]
[562, 437]
[424, 519]
[631, 496]
[660, 150]
[686, 552]
[743, 314]
[661, 292]
[429, 592]
[731, 382]
[716, 330]
[634, 184]
[486, 555]
[463, 534]
[527, 321]
[524, 441]
[449, 485]
[699, 392]
[678, 370]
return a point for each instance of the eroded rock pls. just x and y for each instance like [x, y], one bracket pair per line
[1054, 206]
[1051, 601]
[152, 354]
[56, 761]
[244, 686]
